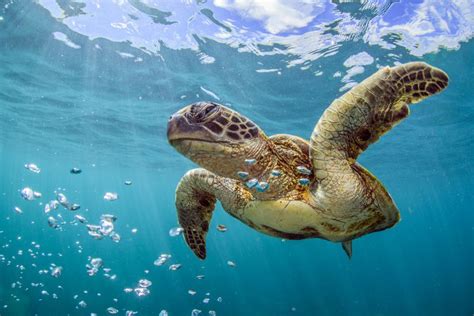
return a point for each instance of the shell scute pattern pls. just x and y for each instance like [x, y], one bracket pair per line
[230, 123]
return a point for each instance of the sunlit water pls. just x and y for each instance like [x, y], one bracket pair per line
[91, 84]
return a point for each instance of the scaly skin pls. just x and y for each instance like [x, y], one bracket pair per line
[343, 200]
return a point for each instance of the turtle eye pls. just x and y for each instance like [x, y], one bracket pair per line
[210, 109]
[201, 111]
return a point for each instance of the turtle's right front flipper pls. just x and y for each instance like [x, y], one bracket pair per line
[196, 197]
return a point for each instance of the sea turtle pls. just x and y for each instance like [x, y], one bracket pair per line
[285, 186]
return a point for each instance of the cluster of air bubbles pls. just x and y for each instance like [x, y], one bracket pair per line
[58, 206]
[106, 226]
[51, 205]
[263, 185]
[63, 201]
[29, 194]
[104, 229]
[94, 266]
[141, 291]
[108, 275]
[253, 183]
[142, 288]
[205, 300]
[306, 172]
[162, 259]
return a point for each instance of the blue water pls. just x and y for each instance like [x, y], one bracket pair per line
[91, 84]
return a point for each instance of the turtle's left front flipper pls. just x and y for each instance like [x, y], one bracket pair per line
[345, 190]
[196, 197]
[369, 110]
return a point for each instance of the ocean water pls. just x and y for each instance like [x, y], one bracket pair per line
[91, 84]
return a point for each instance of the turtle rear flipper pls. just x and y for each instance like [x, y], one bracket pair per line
[347, 246]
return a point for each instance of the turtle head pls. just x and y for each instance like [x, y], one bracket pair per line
[215, 137]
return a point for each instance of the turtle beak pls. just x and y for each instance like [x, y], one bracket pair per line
[176, 123]
[179, 129]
